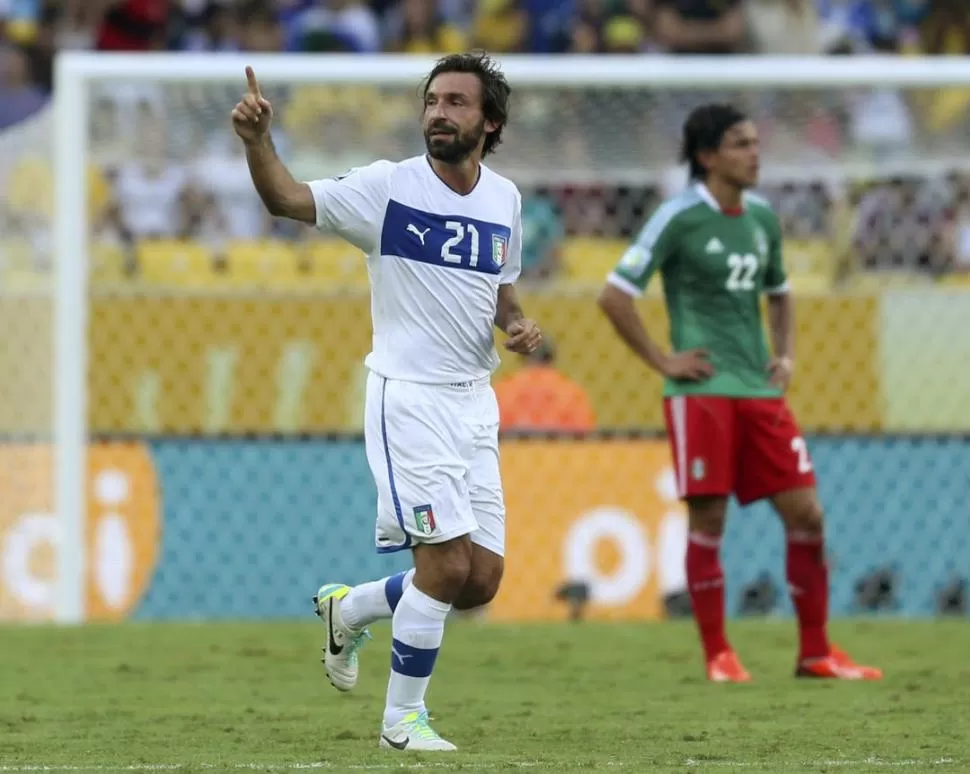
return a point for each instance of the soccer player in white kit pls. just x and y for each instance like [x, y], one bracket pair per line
[442, 234]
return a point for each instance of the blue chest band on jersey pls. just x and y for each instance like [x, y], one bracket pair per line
[449, 241]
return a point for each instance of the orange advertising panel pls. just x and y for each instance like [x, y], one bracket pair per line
[599, 514]
[123, 531]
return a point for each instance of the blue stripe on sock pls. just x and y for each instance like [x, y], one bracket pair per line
[410, 661]
[394, 589]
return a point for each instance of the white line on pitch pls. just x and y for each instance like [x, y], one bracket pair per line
[690, 763]
[316, 765]
[870, 762]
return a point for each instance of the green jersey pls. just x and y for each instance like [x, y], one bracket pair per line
[715, 266]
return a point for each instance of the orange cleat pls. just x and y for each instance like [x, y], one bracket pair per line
[837, 666]
[726, 667]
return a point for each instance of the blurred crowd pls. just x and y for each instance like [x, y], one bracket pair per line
[861, 175]
[34, 29]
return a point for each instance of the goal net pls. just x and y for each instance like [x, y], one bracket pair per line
[182, 390]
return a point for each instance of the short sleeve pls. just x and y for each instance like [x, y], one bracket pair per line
[513, 261]
[652, 248]
[352, 205]
[776, 280]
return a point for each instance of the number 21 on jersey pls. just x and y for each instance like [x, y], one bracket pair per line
[457, 229]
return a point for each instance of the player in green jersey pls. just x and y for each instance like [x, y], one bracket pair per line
[719, 249]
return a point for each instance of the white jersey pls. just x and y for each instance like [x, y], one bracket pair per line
[150, 203]
[435, 258]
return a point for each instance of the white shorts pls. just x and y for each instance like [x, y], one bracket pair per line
[433, 451]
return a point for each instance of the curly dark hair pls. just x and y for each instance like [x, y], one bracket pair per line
[495, 88]
[704, 130]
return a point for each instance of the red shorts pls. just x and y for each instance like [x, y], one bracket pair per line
[749, 447]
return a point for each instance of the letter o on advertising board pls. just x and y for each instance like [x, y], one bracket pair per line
[627, 536]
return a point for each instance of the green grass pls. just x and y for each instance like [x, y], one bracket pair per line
[558, 698]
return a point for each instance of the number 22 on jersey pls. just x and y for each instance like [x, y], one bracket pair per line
[743, 270]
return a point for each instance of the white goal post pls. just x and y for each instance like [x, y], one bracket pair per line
[77, 73]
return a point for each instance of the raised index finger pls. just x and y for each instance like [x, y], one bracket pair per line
[252, 82]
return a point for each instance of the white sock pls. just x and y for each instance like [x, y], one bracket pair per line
[375, 600]
[418, 628]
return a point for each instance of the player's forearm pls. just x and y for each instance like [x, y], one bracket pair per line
[781, 322]
[625, 319]
[283, 196]
[508, 309]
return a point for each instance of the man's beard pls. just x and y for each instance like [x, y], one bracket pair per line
[456, 147]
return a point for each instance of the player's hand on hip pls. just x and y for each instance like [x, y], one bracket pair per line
[780, 370]
[253, 113]
[692, 365]
[524, 337]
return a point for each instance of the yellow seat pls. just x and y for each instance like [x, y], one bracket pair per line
[958, 281]
[107, 265]
[372, 108]
[264, 264]
[175, 263]
[335, 263]
[589, 260]
[15, 254]
[30, 189]
[18, 271]
[21, 280]
[809, 257]
[810, 283]
[879, 281]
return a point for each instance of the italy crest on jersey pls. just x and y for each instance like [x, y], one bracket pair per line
[500, 249]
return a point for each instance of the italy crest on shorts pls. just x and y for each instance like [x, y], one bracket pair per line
[424, 519]
[500, 249]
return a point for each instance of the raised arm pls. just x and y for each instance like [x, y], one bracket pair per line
[283, 196]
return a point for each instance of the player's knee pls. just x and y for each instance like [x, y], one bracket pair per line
[481, 587]
[808, 518]
[442, 570]
[707, 515]
[454, 571]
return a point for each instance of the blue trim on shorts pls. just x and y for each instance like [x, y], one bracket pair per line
[390, 477]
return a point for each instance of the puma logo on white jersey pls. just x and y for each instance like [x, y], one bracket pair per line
[417, 232]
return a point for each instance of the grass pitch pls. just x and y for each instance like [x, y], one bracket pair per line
[551, 698]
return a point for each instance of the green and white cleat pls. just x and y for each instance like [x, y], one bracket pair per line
[340, 649]
[415, 733]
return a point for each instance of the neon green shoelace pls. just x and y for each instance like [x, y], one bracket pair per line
[423, 729]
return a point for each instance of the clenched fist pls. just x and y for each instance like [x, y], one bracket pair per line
[253, 113]
[524, 337]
